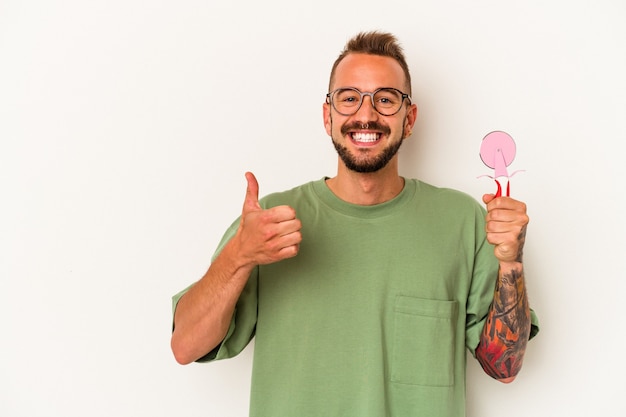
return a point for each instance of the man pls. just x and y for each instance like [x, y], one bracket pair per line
[364, 290]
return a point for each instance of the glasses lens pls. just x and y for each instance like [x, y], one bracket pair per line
[387, 101]
[346, 100]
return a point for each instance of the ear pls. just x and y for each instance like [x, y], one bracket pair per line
[409, 120]
[328, 122]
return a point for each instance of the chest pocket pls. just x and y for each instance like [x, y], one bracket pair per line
[424, 341]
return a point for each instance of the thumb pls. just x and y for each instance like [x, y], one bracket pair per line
[487, 198]
[251, 203]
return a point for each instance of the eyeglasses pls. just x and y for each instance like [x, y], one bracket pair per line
[386, 101]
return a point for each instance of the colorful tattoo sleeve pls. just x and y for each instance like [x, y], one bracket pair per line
[504, 338]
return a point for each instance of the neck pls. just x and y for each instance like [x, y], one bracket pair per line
[366, 189]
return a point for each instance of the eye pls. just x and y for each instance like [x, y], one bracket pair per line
[347, 97]
[387, 98]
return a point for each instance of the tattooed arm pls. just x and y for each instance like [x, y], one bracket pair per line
[505, 334]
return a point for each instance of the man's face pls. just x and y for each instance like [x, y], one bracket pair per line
[367, 141]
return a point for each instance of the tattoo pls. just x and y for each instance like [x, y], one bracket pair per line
[503, 342]
[521, 238]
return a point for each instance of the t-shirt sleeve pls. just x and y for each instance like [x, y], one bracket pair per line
[481, 293]
[243, 323]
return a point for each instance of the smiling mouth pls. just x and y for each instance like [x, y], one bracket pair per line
[365, 138]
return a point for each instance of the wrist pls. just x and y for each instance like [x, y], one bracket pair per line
[506, 266]
[234, 256]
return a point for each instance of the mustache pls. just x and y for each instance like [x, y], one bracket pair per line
[369, 125]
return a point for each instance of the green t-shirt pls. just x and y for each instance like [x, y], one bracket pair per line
[373, 316]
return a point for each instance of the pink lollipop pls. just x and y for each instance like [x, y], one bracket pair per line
[497, 151]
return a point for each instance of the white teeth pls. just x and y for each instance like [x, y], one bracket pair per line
[365, 137]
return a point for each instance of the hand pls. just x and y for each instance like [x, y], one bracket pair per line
[266, 236]
[506, 227]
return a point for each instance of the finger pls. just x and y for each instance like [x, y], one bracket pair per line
[289, 251]
[279, 214]
[281, 233]
[505, 203]
[514, 218]
[251, 202]
[508, 252]
[289, 228]
[289, 244]
[487, 198]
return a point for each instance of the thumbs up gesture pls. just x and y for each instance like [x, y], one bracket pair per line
[266, 236]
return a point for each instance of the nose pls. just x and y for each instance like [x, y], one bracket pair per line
[366, 109]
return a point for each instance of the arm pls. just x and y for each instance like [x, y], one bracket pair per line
[505, 335]
[204, 313]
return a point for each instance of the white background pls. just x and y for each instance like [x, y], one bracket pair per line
[126, 128]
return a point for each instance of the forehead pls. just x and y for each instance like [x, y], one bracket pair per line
[369, 72]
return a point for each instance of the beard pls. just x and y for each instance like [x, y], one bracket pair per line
[367, 165]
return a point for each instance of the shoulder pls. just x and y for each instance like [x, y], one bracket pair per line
[443, 195]
[291, 196]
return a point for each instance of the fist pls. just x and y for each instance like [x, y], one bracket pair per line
[506, 223]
